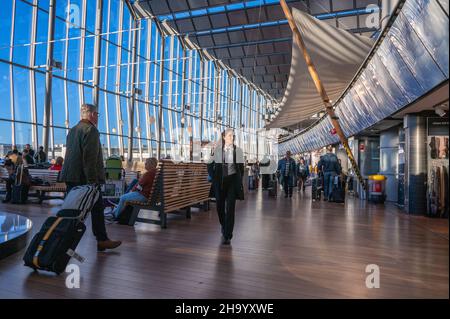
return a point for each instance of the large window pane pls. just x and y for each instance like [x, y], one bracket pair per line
[22, 32]
[5, 27]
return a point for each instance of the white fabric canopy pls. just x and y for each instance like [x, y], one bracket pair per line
[337, 55]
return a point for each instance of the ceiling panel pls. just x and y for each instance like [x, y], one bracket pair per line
[264, 60]
[266, 48]
[269, 78]
[272, 69]
[260, 70]
[339, 5]
[202, 23]
[235, 63]
[253, 35]
[237, 37]
[236, 51]
[285, 69]
[219, 20]
[271, 32]
[196, 4]
[222, 53]
[178, 5]
[159, 7]
[219, 2]
[283, 46]
[277, 59]
[185, 25]
[256, 16]
[285, 31]
[250, 50]
[267, 64]
[237, 18]
[248, 61]
[205, 41]
[221, 39]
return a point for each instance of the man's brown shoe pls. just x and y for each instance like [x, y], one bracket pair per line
[108, 244]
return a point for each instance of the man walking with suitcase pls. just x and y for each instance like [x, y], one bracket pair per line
[329, 165]
[83, 164]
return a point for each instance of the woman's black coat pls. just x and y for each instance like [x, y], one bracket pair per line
[215, 171]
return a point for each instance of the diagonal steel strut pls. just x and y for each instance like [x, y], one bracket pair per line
[321, 90]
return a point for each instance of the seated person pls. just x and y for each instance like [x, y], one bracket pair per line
[14, 176]
[141, 190]
[58, 164]
[26, 156]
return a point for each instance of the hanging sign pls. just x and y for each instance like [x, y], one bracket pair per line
[437, 126]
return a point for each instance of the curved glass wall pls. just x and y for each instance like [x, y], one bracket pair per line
[142, 68]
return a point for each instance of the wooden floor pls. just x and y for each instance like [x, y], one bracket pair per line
[281, 249]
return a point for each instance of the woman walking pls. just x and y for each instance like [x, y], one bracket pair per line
[227, 171]
[302, 174]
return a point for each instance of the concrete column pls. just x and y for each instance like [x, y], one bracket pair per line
[389, 142]
[415, 164]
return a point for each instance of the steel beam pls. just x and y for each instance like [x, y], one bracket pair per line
[49, 73]
[132, 99]
[321, 90]
[97, 50]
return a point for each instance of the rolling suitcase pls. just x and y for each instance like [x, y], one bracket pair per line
[338, 192]
[316, 188]
[53, 246]
[21, 186]
[273, 187]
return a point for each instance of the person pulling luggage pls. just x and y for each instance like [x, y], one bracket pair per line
[83, 165]
[329, 165]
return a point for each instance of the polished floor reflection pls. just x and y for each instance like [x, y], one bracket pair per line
[282, 248]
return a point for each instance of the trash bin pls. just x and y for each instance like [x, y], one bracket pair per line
[377, 188]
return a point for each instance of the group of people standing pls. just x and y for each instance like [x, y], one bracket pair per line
[291, 174]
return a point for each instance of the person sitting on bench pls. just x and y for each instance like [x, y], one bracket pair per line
[142, 190]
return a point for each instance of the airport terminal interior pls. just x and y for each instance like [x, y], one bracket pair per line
[224, 149]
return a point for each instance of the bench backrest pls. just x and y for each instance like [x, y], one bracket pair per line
[3, 172]
[179, 185]
[45, 174]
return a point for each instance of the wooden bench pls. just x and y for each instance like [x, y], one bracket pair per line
[50, 177]
[177, 186]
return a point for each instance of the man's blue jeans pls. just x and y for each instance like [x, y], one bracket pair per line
[328, 183]
[135, 196]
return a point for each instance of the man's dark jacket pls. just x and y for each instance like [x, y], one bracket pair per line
[329, 163]
[83, 163]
